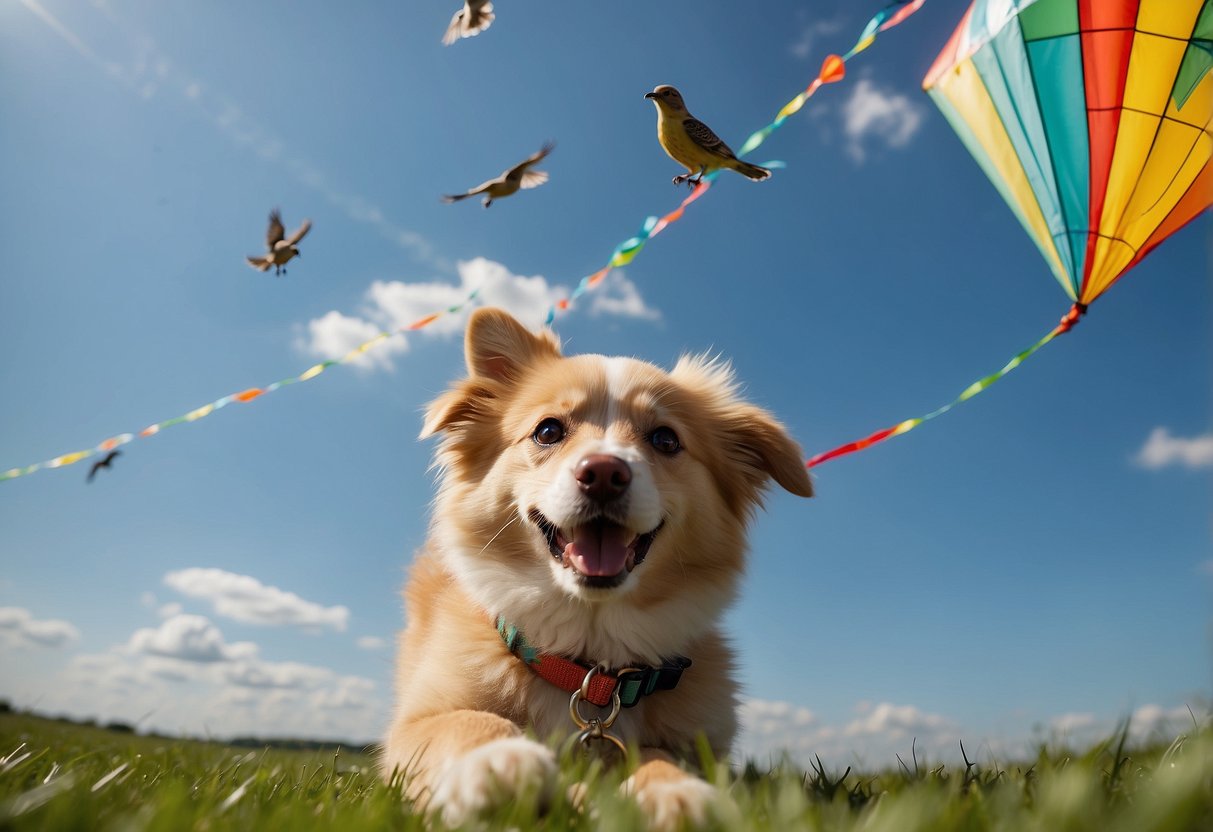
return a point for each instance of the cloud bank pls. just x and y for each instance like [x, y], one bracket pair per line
[1162, 450]
[391, 305]
[246, 599]
[19, 628]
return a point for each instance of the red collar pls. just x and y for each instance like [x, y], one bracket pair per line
[631, 683]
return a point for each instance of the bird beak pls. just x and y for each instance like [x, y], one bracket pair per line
[651, 95]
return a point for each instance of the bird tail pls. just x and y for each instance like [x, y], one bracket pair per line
[261, 264]
[751, 171]
[478, 21]
[448, 198]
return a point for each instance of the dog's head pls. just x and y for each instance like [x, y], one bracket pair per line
[604, 480]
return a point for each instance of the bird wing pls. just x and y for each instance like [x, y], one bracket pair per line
[533, 178]
[703, 136]
[453, 30]
[275, 231]
[299, 233]
[261, 264]
[92, 472]
[519, 169]
[479, 189]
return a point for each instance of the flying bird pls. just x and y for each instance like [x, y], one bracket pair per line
[471, 20]
[280, 247]
[105, 462]
[691, 143]
[519, 176]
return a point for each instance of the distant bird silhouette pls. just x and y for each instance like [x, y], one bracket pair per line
[471, 20]
[106, 462]
[691, 143]
[280, 247]
[519, 176]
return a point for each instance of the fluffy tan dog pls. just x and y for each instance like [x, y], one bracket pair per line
[592, 513]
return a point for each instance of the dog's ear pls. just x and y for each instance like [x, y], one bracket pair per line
[762, 444]
[757, 445]
[457, 406]
[499, 348]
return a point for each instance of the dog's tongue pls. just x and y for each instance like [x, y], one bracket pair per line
[598, 549]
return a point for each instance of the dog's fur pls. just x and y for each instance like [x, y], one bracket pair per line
[514, 534]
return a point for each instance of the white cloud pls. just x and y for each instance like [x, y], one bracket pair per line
[895, 721]
[19, 628]
[190, 638]
[246, 599]
[347, 693]
[1162, 450]
[1151, 722]
[619, 296]
[890, 117]
[876, 733]
[183, 678]
[291, 675]
[334, 335]
[170, 609]
[392, 305]
[810, 31]
[370, 643]
[1071, 723]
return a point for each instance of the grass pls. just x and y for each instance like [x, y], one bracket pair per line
[64, 776]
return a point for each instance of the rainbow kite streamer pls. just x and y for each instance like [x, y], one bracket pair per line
[1067, 322]
[243, 396]
[832, 70]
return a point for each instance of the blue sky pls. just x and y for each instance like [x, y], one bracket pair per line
[1037, 563]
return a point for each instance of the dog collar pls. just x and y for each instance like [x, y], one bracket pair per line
[631, 683]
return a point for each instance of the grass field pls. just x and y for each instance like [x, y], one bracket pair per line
[64, 776]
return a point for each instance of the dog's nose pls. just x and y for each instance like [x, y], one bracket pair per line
[603, 477]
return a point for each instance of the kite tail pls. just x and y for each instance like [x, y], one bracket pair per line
[1065, 325]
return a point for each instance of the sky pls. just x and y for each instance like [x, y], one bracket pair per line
[1034, 566]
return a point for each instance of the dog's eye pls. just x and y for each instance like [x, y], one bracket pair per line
[549, 432]
[665, 440]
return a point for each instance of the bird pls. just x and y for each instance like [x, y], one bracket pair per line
[280, 247]
[106, 462]
[691, 143]
[471, 20]
[519, 176]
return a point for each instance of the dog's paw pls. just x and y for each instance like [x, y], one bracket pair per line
[668, 803]
[492, 775]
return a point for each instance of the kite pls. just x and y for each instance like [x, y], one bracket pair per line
[1092, 119]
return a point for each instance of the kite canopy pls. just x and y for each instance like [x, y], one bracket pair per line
[1091, 117]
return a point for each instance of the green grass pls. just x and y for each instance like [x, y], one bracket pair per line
[63, 776]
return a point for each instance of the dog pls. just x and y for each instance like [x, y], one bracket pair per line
[588, 534]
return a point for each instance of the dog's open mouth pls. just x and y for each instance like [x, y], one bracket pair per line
[600, 551]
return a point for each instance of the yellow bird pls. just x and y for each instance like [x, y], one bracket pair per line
[691, 143]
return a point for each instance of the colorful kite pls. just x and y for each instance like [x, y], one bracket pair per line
[1092, 119]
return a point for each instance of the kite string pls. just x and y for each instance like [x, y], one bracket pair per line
[241, 397]
[1065, 325]
[833, 69]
